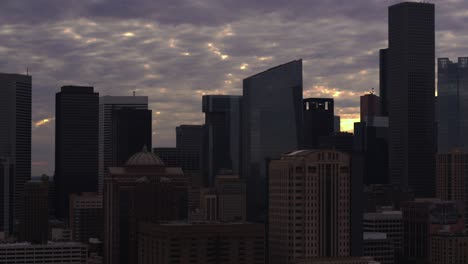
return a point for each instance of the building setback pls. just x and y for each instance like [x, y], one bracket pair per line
[76, 144]
[411, 82]
[201, 243]
[309, 206]
[271, 125]
[15, 145]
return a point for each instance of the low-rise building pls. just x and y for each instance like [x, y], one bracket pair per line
[52, 252]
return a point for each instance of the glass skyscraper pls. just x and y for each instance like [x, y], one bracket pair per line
[272, 125]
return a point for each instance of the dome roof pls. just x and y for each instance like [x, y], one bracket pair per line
[144, 158]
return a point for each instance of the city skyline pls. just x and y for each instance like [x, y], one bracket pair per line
[145, 50]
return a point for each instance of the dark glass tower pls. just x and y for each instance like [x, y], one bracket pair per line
[221, 136]
[271, 125]
[452, 105]
[318, 120]
[15, 145]
[76, 144]
[383, 72]
[411, 94]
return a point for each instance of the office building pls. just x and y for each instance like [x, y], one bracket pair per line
[386, 195]
[271, 125]
[34, 215]
[380, 247]
[221, 136]
[307, 217]
[424, 217]
[187, 160]
[189, 137]
[342, 141]
[452, 105]
[449, 248]
[53, 252]
[340, 260]
[452, 178]
[200, 243]
[371, 142]
[383, 78]
[411, 82]
[76, 144]
[336, 124]
[144, 189]
[124, 128]
[389, 223]
[15, 145]
[86, 216]
[231, 192]
[318, 120]
[371, 106]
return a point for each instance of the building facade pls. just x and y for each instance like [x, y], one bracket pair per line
[411, 82]
[389, 223]
[124, 128]
[15, 145]
[271, 125]
[449, 249]
[86, 216]
[34, 224]
[201, 243]
[76, 144]
[309, 206]
[54, 252]
[318, 120]
[380, 247]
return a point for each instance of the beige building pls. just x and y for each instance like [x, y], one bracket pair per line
[201, 243]
[449, 249]
[309, 206]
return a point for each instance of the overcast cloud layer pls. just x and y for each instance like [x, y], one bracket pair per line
[174, 51]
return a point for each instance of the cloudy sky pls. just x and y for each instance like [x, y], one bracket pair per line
[174, 51]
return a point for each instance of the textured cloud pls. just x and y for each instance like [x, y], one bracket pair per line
[174, 51]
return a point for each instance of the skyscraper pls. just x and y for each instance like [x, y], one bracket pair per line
[15, 144]
[310, 206]
[383, 76]
[371, 106]
[189, 137]
[318, 120]
[411, 94]
[271, 125]
[34, 225]
[452, 105]
[221, 135]
[76, 144]
[124, 128]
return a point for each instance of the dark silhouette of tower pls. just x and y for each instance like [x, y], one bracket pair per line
[383, 77]
[318, 120]
[76, 144]
[411, 94]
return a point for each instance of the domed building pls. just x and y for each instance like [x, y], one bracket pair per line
[142, 190]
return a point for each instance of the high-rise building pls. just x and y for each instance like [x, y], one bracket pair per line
[386, 195]
[189, 137]
[76, 144]
[383, 77]
[86, 216]
[449, 248]
[371, 107]
[124, 128]
[143, 189]
[371, 142]
[221, 136]
[34, 224]
[189, 142]
[424, 217]
[380, 247]
[452, 178]
[52, 252]
[187, 160]
[318, 120]
[389, 223]
[310, 206]
[336, 124]
[271, 125]
[15, 145]
[411, 83]
[342, 141]
[452, 105]
[200, 243]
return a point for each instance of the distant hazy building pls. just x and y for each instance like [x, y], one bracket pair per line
[15, 144]
[380, 247]
[452, 104]
[271, 125]
[449, 248]
[423, 218]
[411, 90]
[76, 144]
[180, 242]
[54, 252]
[124, 128]
[310, 206]
[86, 216]
[34, 225]
[221, 136]
[143, 189]
[452, 178]
[318, 120]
